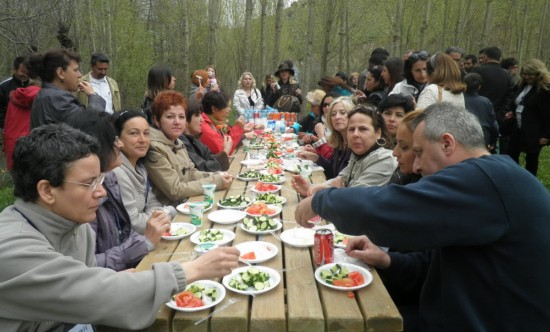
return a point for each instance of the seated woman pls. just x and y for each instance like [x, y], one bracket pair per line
[337, 124]
[403, 272]
[371, 164]
[199, 153]
[374, 88]
[47, 247]
[172, 173]
[393, 109]
[215, 109]
[118, 245]
[135, 188]
[159, 78]
[247, 97]
[415, 75]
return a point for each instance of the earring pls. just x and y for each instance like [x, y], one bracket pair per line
[62, 80]
[381, 141]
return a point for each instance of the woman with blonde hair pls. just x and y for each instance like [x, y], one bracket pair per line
[247, 96]
[445, 82]
[531, 105]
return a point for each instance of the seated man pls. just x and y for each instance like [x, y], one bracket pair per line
[484, 217]
[48, 279]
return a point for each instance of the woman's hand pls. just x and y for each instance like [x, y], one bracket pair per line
[227, 144]
[309, 148]
[240, 122]
[214, 264]
[298, 92]
[361, 247]
[250, 135]
[227, 179]
[307, 155]
[320, 130]
[301, 185]
[86, 87]
[158, 224]
[248, 127]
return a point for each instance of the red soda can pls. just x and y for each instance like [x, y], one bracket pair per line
[323, 246]
[256, 117]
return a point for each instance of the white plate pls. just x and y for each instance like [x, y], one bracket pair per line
[279, 226]
[254, 190]
[298, 237]
[274, 280]
[282, 179]
[184, 208]
[242, 206]
[226, 217]
[178, 225]
[351, 267]
[252, 162]
[282, 202]
[206, 283]
[289, 135]
[228, 236]
[264, 251]
[271, 206]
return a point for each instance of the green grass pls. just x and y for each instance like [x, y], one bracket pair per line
[6, 185]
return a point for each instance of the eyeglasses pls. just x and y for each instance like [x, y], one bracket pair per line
[91, 186]
[422, 55]
[325, 105]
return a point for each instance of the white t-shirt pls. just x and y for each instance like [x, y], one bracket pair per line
[101, 87]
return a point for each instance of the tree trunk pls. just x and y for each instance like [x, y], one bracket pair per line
[486, 24]
[184, 21]
[425, 24]
[331, 4]
[442, 36]
[246, 36]
[306, 76]
[263, 42]
[522, 39]
[213, 17]
[341, 36]
[91, 18]
[346, 30]
[278, 30]
[400, 24]
[540, 46]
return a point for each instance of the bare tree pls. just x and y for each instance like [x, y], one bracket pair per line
[278, 30]
[331, 5]
[263, 23]
[213, 17]
[486, 23]
[425, 24]
[247, 35]
[540, 46]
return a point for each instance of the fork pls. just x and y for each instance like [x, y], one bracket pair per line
[275, 235]
[223, 307]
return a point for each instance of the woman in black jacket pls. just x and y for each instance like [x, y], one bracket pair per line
[532, 114]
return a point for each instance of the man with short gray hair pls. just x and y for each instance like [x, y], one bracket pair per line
[484, 218]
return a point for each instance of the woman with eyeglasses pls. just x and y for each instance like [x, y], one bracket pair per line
[50, 280]
[173, 175]
[135, 187]
[118, 245]
[531, 105]
[371, 162]
[444, 82]
[416, 75]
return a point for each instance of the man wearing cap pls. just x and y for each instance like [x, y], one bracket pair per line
[104, 86]
[287, 85]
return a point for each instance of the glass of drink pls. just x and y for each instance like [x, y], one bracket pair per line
[196, 210]
[209, 192]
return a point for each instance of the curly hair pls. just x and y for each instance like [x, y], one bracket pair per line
[240, 82]
[537, 68]
[165, 100]
[46, 154]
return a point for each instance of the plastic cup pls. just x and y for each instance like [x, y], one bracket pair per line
[209, 192]
[196, 209]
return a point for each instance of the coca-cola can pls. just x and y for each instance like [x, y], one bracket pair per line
[323, 246]
[256, 117]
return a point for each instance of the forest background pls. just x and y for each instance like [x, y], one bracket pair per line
[320, 36]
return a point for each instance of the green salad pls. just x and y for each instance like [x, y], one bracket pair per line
[236, 201]
[270, 198]
[252, 277]
[259, 223]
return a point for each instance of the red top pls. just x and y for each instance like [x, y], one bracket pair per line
[18, 118]
[213, 138]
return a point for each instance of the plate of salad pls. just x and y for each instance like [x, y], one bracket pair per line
[252, 280]
[235, 202]
[256, 251]
[200, 295]
[271, 178]
[261, 187]
[250, 175]
[343, 276]
[218, 236]
[179, 230]
[262, 209]
[341, 240]
[270, 198]
[184, 208]
[261, 225]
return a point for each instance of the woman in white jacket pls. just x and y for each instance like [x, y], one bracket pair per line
[247, 97]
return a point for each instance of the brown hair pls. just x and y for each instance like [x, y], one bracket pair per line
[444, 71]
[204, 78]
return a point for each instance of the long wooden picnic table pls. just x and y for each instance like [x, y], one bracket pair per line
[298, 303]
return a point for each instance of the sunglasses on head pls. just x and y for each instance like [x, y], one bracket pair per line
[422, 55]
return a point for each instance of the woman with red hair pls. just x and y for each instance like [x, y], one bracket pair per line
[172, 173]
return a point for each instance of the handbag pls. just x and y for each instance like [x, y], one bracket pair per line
[288, 103]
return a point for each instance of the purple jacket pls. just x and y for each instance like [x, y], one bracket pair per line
[118, 246]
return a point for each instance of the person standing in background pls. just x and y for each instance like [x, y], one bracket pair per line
[19, 79]
[104, 86]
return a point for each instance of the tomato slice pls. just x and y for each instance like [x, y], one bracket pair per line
[249, 255]
[357, 277]
[345, 282]
[187, 299]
